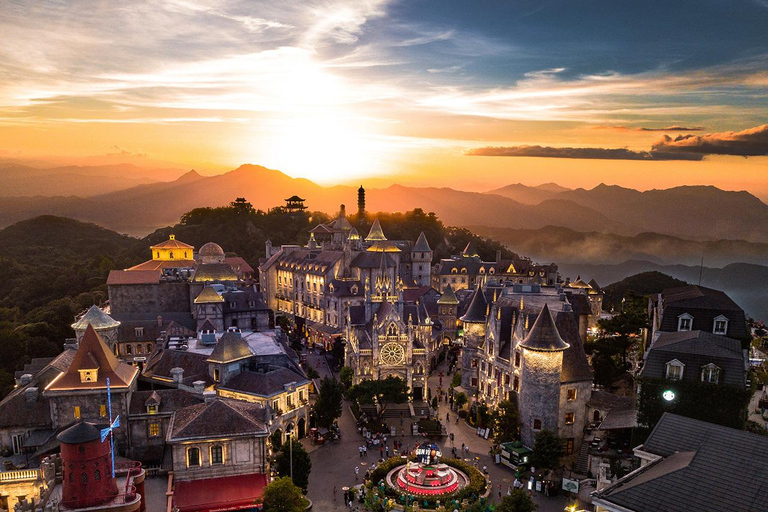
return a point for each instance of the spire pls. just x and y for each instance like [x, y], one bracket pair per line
[470, 251]
[421, 244]
[448, 297]
[376, 234]
[544, 336]
[476, 312]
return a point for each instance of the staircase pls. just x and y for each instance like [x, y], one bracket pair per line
[582, 463]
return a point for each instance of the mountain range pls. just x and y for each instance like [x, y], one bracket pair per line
[691, 213]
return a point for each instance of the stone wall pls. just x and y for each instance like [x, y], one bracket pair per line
[578, 407]
[150, 298]
[539, 392]
[241, 456]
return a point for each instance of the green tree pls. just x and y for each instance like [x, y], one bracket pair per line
[346, 375]
[460, 400]
[517, 501]
[456, 379]
[302, 465]
[329, 402]
[547, 450]
[312, 373]
[505, 421]
[281, 495]
[384, 392]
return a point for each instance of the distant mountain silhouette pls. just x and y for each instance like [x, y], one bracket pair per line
[743, 282]
[555, 243]
[529, 195]
[703, 213]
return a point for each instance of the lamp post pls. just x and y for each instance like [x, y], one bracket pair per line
[289, 433]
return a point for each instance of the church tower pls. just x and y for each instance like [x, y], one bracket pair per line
[539, 396]
[421, 259]
[102, 323]
[474, 339]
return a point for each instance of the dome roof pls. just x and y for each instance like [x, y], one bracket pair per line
[79, 433]
[211, 249]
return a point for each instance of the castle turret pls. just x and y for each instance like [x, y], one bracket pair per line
[542, 365]
[474, 338]
[421, 259]
[102, 323]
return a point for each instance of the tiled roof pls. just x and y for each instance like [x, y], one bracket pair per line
[169, 400]
[421, 244]
[96, 318]
[163, 264]
[217, 419]
[238, 264]
[94, 353]
[172, 243]
[230, 347]
[195, 366]
[118, 277]
[704, 467]
[478, 308]
[214, 272]
[544, 335]
[208, 296]
[696, 349]
[373, 260]
[266, 383]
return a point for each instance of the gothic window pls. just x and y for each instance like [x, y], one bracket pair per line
[463, 270]
[217, 455]
[482, 270]
[675, 370]
[492, 271]
[392, 331]
[193, 457]
[710, 373]
[453, 271]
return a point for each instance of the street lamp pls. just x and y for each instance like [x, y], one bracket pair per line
[289, 433]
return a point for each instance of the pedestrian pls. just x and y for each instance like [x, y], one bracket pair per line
[499, 484]
[357, 471]
[360, 451]
[387, 451]
[365, 451]
[381, 452]
[509, 490]
[448, 417]
[457, 419]
[462, 447]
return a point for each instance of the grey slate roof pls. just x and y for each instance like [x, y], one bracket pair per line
[575, 365]
[696, 349]
[194, 364]
[168, 400]
[421, 244]
[217, 419]
[230, 347]
[704, 305]
[705, 467]
[478, 308]
[266, 383]
[80, 432]
[544, 335]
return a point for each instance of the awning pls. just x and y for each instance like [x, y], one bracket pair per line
[219, 494]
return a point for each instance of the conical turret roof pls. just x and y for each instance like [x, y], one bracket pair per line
[376, 234]
[97, 319]
[421, 244]
[448, 297]
[208, 296]
[478, 308]
[230, 347]
[543, 336]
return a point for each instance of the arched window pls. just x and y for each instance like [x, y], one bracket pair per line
[185, 254]
[83, 478]
[149, 348]
[492, 270]
[464, 270]
[193, 457]
[392, 331]
[453, 270]
[97, 475]
[128, 349]
[710, 373]
[217, 454]
[482, 270]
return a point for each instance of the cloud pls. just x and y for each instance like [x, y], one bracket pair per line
[673, 128]
[749, 142]
[580, 153]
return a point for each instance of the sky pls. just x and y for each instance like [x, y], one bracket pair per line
[471, 95]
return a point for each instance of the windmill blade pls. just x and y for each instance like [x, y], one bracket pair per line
[116, 423]
[105, 433]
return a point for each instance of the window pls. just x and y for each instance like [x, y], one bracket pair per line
[97, 475]
[103, 411]
[216, 374]
[185, 254]
[473, 382]
[536, 424]
[710, 373]
[233, 305]
[152, 409]
[128, 350]
[171, 254]
[77, 412]
[684, 322]
[138, 332]
[569, 446]
[149, 348]
[83, 478]
[571, 395]
[570, 418]
[675, 370]
[139, 348]
[217, 455]
[193, 457]
[517, 359]
[516, 385]
[154, 429]
[720, 326]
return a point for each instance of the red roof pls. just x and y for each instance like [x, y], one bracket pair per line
[219, 494]
[239, 262]
[133, 277]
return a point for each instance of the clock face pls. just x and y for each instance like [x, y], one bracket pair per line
[392, 354]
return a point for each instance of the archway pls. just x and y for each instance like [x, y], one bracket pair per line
[302, 428]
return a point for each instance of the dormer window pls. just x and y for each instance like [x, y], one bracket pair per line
[675, 370]
[138, 332]
[720, 325]
[152, 409]
[89, 375]
[233, 305]
[710, 373]
[684, 322]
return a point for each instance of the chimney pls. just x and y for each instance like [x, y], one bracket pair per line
[159, 321]
[199, 386]
[498, 255]
[70, 343]
[31, 395]
[178, 375]
[268, 247]
[209, 396]
[26, 379]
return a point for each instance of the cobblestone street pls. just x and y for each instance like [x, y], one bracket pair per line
[333, 465]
